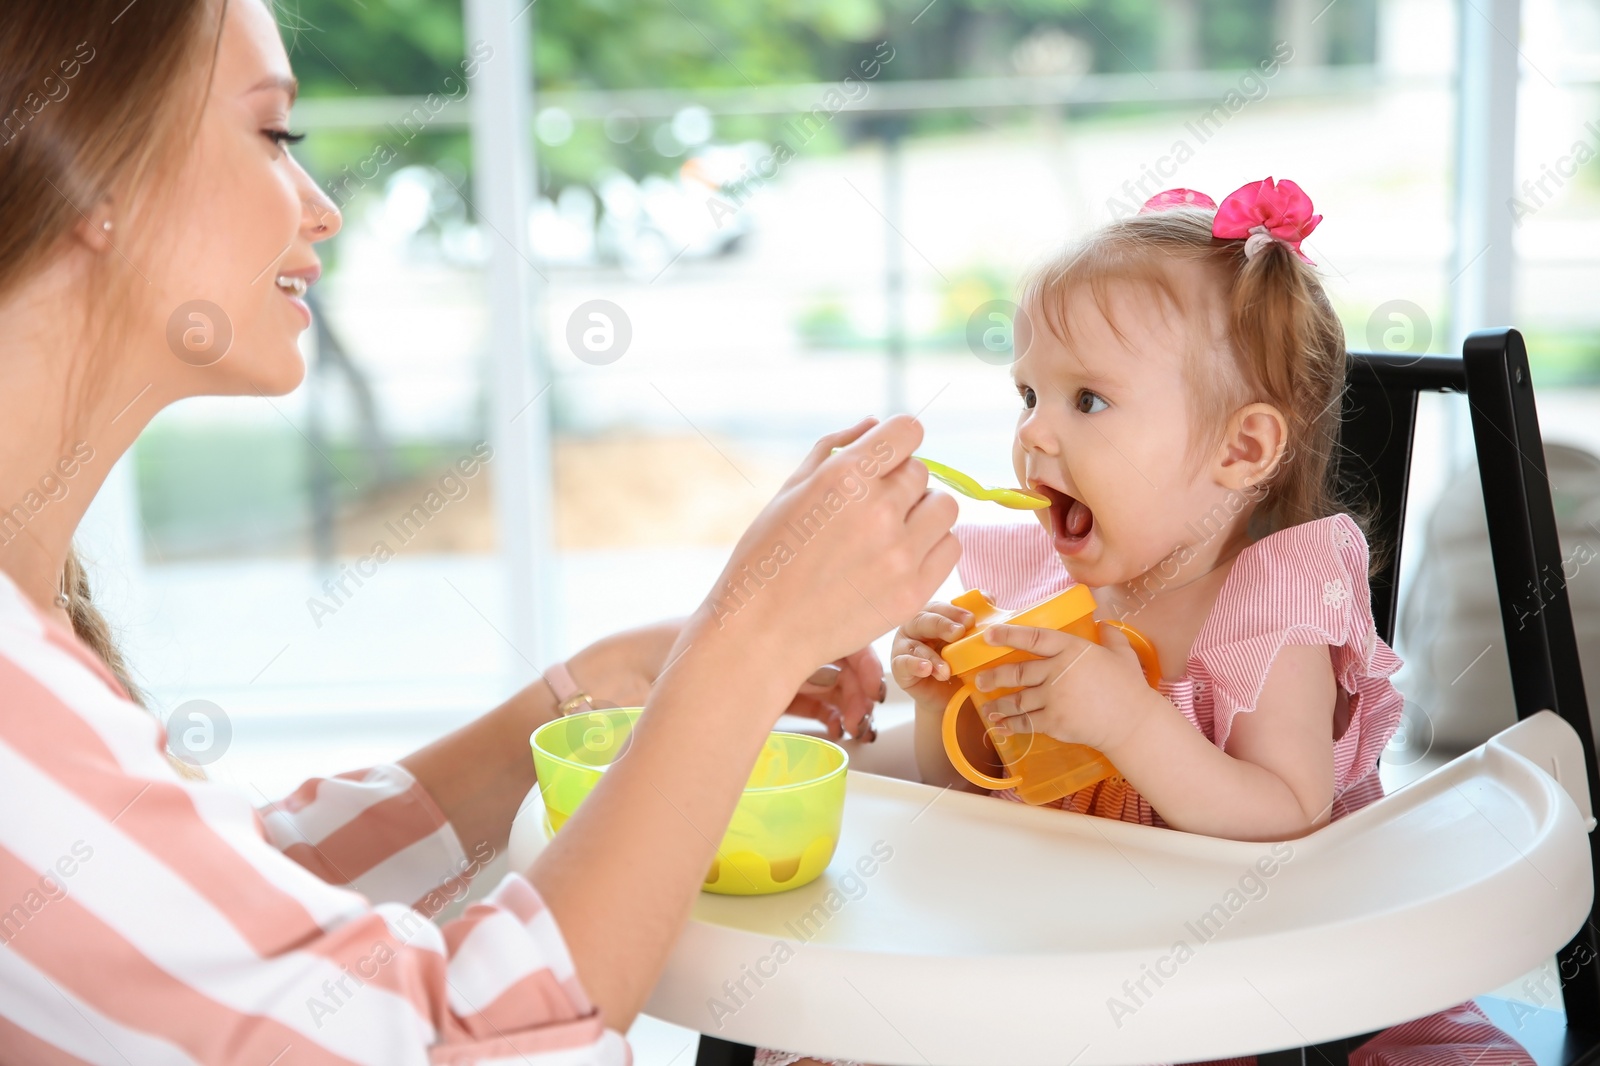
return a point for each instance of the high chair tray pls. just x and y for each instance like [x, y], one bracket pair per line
[954, 928]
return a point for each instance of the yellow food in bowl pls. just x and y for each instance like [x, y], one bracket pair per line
[783, 830]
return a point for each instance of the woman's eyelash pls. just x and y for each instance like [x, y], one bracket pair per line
[283, 137]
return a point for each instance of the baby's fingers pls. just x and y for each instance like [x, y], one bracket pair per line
[1006, 716]
[934, 624]
[919, 663]
[950, 611]
[1041, 642]
[1019, 675]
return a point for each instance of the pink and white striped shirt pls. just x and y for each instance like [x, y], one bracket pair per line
[1303, 585]
[148, 918]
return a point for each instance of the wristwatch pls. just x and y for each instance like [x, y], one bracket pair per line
[569, 697]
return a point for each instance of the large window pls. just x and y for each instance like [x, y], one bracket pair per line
[749, 225]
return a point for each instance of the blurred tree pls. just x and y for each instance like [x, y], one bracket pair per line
[408, 46]
[404, 47]
[372, 49]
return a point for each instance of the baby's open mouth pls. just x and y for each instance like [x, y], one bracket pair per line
[1070, 518]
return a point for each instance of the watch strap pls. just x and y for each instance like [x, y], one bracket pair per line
[569, 697]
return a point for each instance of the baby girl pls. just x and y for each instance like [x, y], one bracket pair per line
[1180, 399]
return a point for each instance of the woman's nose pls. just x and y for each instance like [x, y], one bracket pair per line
[320, 215]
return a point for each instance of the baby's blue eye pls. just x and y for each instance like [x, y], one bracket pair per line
[1093, 399]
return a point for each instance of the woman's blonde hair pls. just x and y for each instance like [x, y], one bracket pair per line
[98, 98]
[1262, 330]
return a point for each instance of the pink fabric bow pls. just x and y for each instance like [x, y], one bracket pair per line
[1266, 211]
[1259, 213]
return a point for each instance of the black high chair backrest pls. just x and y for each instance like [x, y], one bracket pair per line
[1373, 467]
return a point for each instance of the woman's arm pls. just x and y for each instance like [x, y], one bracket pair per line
[480, 774]
[853, 545]
[228, 951]
[184, 934]
[623, 872]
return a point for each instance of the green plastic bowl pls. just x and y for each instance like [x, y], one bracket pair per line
[784, 829]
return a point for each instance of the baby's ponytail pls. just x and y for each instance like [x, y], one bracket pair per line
[1290, 347]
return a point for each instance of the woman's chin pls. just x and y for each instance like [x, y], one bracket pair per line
[287, 372]
[259, 373]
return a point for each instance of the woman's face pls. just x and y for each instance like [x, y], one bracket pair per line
[229, 281]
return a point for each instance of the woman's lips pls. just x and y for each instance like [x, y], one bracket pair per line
[302, 307]
[294, 286]
[1071, 520]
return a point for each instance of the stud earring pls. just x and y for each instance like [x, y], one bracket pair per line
[106, 225]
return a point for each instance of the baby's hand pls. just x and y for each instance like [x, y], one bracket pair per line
[914, 657]
[1077, 691]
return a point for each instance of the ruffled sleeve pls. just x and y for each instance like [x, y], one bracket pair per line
[1303, 585]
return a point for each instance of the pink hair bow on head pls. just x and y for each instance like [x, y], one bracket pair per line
[1259, 213]
[1265, 211]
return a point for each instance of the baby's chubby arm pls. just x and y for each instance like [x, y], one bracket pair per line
[925, 676]
[1275, 782]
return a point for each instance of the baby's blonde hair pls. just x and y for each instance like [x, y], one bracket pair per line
[1262, 331]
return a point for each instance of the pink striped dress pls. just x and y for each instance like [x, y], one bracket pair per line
[148, 918]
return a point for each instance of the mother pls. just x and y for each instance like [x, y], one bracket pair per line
[146, 916]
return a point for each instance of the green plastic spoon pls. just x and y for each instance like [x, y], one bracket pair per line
[1016, 499]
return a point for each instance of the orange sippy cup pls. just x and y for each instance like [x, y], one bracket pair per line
[1040, 768]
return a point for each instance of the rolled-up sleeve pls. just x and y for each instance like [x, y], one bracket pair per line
[379, 832]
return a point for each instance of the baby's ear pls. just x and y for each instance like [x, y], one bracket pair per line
[1253, 447]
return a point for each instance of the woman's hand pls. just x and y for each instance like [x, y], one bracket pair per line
[1077, 691]
[850, 547]
[620, 670]
[843, 695]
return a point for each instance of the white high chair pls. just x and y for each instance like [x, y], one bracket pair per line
[995, 933]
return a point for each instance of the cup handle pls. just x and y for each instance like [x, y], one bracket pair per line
[1146, 651]
[958, 758]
